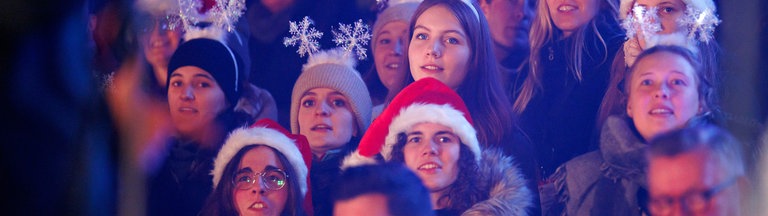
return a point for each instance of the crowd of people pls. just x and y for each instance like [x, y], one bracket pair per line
[454, 107]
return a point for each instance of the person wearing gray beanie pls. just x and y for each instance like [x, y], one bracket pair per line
[330, 105]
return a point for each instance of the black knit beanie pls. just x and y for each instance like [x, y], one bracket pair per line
[215, 58]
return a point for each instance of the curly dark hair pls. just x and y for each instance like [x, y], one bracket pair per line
[221, 201]
[465, 191]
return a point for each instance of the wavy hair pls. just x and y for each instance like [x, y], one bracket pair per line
[465, 191]
[544, 32]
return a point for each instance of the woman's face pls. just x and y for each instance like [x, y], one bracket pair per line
[439, 47]
[570, 15]
[257, 200]
[195, 100]
[669, 12]
[388, 55]
[326, 119]
[662, 94]
[159, 42]
[432, 152]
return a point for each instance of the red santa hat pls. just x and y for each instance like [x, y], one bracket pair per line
[266, 132]
[426, 100]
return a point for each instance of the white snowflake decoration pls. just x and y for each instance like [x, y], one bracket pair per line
[641, 20]
[222, 18]
[700, 24]
[353, 39]
[188, 11]
[227, 12]
[305, 35]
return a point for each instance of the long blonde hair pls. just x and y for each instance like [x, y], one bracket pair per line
[544, 32]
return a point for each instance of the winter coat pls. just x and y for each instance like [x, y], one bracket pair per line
[257, 103]
[560, 118]
[183, 182]
[508, 194]
[324, 176]
[610, 181]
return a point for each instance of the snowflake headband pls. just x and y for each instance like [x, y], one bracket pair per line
[351, 37]
[214, 23]
[699, 24]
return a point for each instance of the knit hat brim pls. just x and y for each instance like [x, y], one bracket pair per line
[332, 69]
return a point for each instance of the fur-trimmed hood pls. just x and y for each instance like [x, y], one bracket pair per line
[258, 103]
[507, 185]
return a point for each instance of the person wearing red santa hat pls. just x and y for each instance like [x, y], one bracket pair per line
[428, 128]
[260, 170]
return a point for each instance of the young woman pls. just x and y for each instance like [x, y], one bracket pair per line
[390, 33]
[572, 45]
[428, 128]
[449, 41]
[160, 32]
[260, 170]
[653, 22]
[202, 89]
[332, 108]
[667, 90]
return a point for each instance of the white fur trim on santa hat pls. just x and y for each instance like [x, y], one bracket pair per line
[441, 114]
[355, 159]
[260, 136]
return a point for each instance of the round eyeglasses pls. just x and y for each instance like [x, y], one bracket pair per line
[273, 179]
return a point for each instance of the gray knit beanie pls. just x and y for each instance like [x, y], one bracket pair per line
[335, 70]
[396, 11]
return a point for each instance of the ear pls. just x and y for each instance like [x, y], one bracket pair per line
[629, 111]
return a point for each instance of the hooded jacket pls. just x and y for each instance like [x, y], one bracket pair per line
[610, 181]
[257, 103]
[508, 194]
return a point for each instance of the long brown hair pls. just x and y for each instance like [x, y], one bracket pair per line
[481, 89]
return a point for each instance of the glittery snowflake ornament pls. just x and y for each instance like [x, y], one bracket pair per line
[643, 21]
[222, 18]
[227, 12]
[700, 24]
[353, 38]
[188, 11]
[304, 35]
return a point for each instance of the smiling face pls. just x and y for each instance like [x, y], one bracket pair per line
[195, 100]
[439, 47]
[662, 93]
[326, 119]
[432, 152]
[258, 200]
[570, 15]
[388, 55]
[158, 43]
